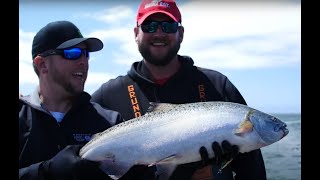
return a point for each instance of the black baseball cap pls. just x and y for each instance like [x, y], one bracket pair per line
[61, 35]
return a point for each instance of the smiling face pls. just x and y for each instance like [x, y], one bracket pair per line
[66, 75]
[158, 48]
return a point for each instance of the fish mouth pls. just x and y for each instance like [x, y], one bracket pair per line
[285, 131]
[281, 127]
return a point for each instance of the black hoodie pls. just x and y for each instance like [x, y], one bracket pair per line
[41, 137]
[130, 96]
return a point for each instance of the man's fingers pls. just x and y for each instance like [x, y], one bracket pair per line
[235, 151]
[217, 152]
[229, 152]
[204, 155]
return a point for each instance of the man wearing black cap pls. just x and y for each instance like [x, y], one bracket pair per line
[167, 77]
[58, 118]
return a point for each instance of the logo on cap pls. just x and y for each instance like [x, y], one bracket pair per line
[157, 3]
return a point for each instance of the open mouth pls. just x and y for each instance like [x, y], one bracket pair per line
[79, 75]
[284, 130]
[158, 44]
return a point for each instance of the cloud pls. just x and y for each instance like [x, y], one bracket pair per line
[95, 79]
[224, 35]
[26, 73]
[98, 77]
[217, 36]
[25, 39]
[242, 36]
[112, 15]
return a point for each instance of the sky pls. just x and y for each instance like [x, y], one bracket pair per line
[256, 44]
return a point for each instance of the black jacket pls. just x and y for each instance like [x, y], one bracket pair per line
[41, 137]
[130, 96]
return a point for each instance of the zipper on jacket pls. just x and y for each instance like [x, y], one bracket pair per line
[59, 147]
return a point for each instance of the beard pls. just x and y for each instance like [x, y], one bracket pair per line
[156, 60]
[59, 78]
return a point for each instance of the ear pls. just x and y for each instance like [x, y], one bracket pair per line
[181, 33]
[40, 64]
[136, 32]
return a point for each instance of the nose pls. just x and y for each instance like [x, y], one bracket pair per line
[83, 60]
[159, 29]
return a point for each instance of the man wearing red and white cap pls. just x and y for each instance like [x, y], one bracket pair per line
[165, 76]
[148, 8]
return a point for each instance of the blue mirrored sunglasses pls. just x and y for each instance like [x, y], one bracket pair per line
[70, 54]
[152, 26]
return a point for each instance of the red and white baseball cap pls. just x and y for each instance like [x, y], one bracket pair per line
[148, 7]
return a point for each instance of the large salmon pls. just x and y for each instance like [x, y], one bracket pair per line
[172, 134]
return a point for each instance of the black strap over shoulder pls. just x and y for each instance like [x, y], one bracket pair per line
[209, 88]
[139, 103]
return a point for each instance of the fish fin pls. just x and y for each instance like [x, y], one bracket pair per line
[164, 167]
[164, 171]
[114, 170]
[164, 160]
[246, 126]
[154, 106]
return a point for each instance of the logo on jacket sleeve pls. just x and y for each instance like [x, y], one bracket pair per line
[80, 137]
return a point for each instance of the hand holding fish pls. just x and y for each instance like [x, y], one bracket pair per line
[67, 164]
[222, 156]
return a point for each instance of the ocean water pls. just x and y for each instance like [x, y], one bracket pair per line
[283, 158]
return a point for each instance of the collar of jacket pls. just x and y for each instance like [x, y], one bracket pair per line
[140, 73]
